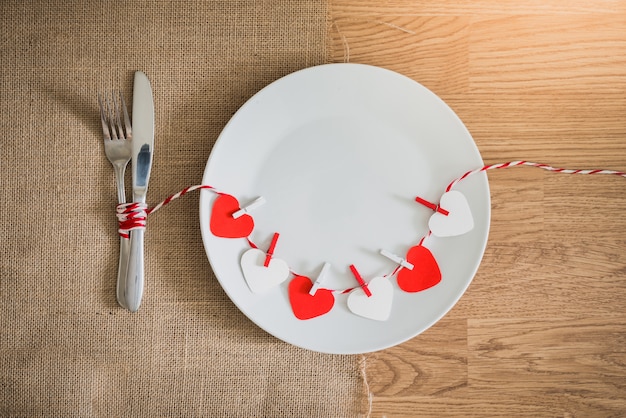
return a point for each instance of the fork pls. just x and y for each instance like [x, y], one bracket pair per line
[118, 149]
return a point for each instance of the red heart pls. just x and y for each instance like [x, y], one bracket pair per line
[222, 222]
[425, 273]
[304, 305]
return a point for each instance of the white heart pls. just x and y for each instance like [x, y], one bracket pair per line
[378, 305]
[260, 278]
[459, 219]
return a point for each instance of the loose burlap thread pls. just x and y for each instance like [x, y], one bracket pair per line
[66, 347]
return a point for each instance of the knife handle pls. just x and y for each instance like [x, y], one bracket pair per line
[134, 278]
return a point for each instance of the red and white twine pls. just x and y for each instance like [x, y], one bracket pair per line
[133, 215]
[180, 194]
[531, 164]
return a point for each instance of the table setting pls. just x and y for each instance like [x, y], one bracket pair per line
[321, 209]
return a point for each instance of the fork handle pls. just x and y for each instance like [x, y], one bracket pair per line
[134, 279]
[120, 169]
[122, 271]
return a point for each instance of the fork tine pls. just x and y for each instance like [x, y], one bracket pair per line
[111, 117]
[103, 118]
[126, 118]
[117, 114]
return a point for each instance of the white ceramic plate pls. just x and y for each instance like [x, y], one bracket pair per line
[339, 152]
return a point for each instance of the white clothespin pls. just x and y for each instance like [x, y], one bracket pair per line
[320, 278]
[397, 259]
[250, 206]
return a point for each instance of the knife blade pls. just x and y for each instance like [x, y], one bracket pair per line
[143, 149]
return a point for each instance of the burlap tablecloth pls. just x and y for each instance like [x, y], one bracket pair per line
[66, 347]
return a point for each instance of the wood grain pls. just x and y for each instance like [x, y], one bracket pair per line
[542, 329]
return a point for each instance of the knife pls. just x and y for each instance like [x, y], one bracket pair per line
[143, 148]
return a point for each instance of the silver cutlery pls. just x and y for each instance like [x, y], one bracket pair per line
[118, 149]
[142, 150]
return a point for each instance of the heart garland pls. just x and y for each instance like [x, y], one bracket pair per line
[262, 271]
[417, 272]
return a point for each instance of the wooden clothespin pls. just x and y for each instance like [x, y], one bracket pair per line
[397, 259]
[320, 278]
[249, 207]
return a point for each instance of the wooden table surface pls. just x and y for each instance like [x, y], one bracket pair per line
[542, 329]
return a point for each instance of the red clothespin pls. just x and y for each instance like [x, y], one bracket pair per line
[432, 206]
[270, 251]
[360, 280]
